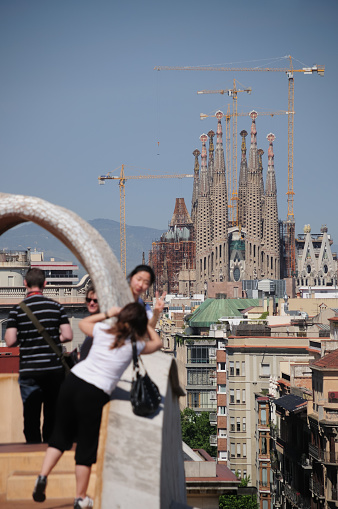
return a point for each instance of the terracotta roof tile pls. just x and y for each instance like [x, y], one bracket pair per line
[328, 361]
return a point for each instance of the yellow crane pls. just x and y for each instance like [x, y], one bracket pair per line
[232, 186]
[289, 71]
[122, 181]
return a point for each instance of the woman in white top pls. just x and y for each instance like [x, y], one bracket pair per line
[88, 388]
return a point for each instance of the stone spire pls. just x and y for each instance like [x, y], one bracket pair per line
[242, 184]
[219, 256]
[203, 240]
[254, 209]
[270, 219]
[194, 199]
[211, 135]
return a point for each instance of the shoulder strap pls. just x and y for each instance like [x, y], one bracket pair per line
[41, 330]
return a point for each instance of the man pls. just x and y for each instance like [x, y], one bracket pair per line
[40, 371]
[93, 308]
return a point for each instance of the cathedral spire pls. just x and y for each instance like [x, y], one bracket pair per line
[211, 135]
[270, 219]
[253, 163]
[242, 185]
[194, 199]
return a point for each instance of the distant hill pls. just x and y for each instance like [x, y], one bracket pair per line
[138, 238]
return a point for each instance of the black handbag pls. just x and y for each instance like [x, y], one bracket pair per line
[144, 395]
[68, 359]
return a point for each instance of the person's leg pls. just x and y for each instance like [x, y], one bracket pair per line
[31, 417]
[50, 390]
[51, 458]
[82, 474]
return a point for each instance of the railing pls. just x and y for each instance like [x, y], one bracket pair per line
[317, 488]
[213, 418]
[323, 456]
[334, 493]
[295, 498]
[213, 440]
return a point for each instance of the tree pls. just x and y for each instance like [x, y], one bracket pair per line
[241, 501]
[196, 430]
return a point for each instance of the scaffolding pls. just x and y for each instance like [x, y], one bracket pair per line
[174, 252]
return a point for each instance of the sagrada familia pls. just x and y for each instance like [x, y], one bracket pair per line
[206, 246]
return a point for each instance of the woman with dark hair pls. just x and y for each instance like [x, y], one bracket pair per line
[140, 279]
[88, 388]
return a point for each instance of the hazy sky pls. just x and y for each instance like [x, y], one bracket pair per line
[79, 97]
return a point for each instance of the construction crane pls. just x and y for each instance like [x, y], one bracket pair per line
[122, 181]
[231, 92]
[289, 71]
[232, 187]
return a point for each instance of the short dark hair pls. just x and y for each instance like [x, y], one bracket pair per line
[143, 268]
[35, 277]
[90, 289]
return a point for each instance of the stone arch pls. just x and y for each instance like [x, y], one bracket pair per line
[78, 236]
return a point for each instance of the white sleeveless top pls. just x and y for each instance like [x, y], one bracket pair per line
[103, 367]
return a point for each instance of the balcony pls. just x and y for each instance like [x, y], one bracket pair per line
[213, 440]
[317, 488]
[328, 457]
[295, 498]
[213, 418]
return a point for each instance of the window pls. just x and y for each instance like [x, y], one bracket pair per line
[244, 453]
[222, 410]
[263, 445]
[232, 395]
[265, 370]
[263, 416]
[265, 504]
[222, 433]
[238, 450]
[238, 424]
[244, 424]
[232, 423]
[232, 450]
[237, 368]
[243, 368]
[244, 471]
[200, 376]
[201, 399]
[238, 395]
[239, 472]
[264, 477]
[221, 366]
[243, 395]
[222, 388]
[222, 455]
[232, 368]
[197, 354]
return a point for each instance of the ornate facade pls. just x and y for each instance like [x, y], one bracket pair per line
[249, 247]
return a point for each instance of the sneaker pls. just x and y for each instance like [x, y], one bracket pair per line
[80, 503]
[40, 488]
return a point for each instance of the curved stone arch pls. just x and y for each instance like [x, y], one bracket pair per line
[78, 236]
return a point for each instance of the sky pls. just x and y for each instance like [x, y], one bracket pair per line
[79, 97]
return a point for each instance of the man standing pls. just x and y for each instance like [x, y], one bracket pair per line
[41, 372]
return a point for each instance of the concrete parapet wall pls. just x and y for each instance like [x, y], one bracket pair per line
[142, 463]
[11, 422]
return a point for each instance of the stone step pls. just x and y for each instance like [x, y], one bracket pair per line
[30, 462]
[60, 485]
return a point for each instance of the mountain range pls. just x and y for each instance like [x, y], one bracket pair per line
[138, 241]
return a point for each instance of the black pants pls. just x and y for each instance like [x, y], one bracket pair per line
[78, 419]
[39, 392]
